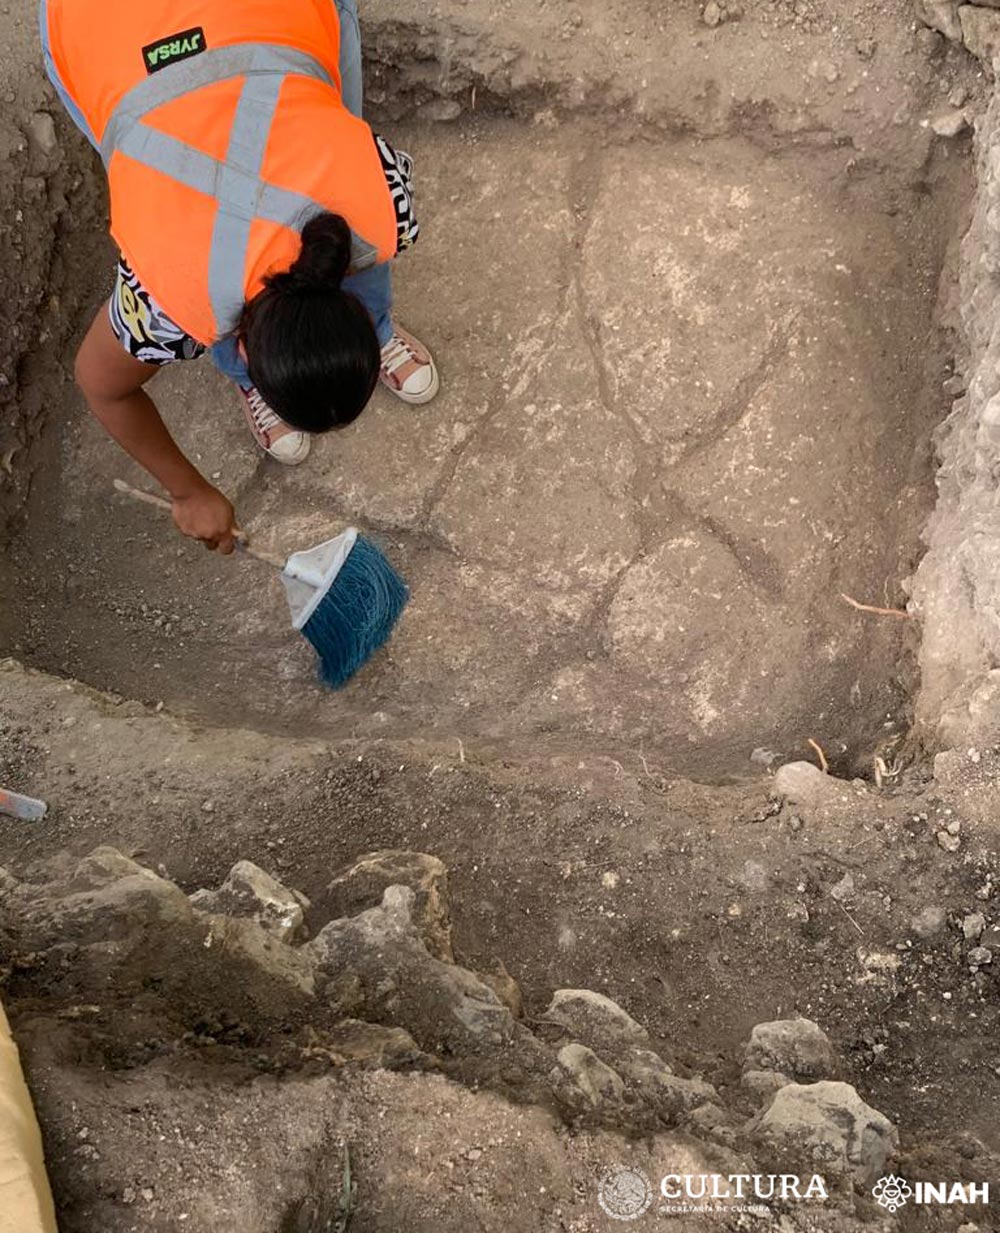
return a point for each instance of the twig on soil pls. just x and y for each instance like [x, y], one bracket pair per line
[461, 749]
[824, 766]
[850, 918]
[894, 612]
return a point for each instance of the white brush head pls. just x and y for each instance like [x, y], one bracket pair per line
[309, 574]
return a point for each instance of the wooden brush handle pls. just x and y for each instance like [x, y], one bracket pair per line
[161, 503]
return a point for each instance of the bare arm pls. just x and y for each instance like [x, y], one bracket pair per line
[112, 382]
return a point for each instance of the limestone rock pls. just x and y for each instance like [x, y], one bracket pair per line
[710, 1120]
[249, 891]
[826, 1126]
[363, 884]
[805, 785]
[108, 897]
[102, 867]
[940, 15]
[594, 1019]
[595, 1081]
[376, 965]
[980, 32]
[795, 1047]
[240, 938]
[656, 1084]
[763, 1084]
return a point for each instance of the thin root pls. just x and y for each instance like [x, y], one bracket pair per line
[886, 770]
[893, 612]
[850, 918]
[824, 766]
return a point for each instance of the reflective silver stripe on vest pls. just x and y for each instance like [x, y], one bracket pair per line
[235, 183]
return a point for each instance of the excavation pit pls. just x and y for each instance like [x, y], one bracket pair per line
[694, 293]
[688, 391]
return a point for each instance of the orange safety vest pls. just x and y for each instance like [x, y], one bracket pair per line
[223, 131]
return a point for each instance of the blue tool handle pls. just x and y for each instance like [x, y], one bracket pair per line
[25, 807]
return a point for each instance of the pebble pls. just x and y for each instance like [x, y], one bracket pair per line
[440, 110]
[928, 921]
[973, 926]
[844, 889]
[949, 123]
[979, 956]
[42, 132]
[950, 843]
[711, 14]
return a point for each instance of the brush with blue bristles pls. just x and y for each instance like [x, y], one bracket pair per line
[344, 595]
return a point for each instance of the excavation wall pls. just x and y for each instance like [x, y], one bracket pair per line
[957, 588]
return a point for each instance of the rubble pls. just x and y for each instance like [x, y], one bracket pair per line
[828, 1127]
[594, 1019]
[249, 891]
[366, 880]
[980, 32]
[940, 15]
[597, 1083]
[798, 1048]
[397, 1006]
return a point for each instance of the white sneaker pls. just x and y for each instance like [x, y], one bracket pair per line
[271, 433]
[408, 369]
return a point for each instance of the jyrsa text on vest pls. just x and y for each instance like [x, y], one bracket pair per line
[173, 48]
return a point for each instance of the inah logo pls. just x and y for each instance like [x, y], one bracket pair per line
[625, 1193]
[173, 48]
[891, 1192]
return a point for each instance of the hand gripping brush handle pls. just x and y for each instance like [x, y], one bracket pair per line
[157, 502]
[344, 595]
